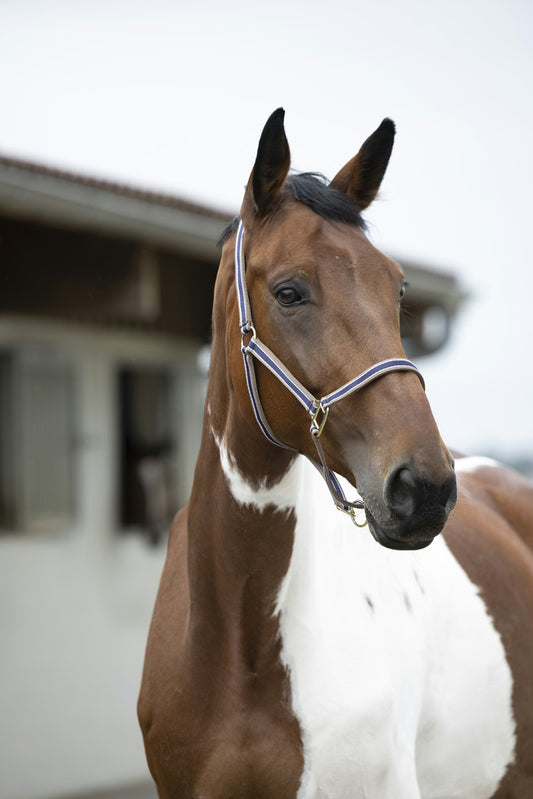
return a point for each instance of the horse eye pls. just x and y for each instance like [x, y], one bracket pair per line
[403, 289]
[288, 295]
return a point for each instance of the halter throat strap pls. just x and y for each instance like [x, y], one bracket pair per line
[318, 409]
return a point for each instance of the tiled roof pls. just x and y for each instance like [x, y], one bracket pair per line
[125, 190]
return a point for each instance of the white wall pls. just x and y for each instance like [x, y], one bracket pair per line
[75, 606]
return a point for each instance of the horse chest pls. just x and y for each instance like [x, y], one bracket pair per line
[399, 679]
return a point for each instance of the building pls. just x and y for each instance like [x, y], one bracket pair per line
[105, 305]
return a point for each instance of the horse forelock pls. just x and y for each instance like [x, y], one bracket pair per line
[313, 190]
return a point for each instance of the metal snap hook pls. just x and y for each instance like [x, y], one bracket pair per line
[354, 520]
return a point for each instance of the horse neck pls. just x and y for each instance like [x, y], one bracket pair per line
[240, 523]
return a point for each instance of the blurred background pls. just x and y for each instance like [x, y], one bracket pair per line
[128, 132]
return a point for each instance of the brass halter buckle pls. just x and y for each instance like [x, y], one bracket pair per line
[318, 426]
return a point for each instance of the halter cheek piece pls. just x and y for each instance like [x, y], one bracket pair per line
[318, 409]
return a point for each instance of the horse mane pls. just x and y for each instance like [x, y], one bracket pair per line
[313, 190]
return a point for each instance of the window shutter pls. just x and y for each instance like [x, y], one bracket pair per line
[42, 436]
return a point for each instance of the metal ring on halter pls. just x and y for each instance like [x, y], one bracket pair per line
[249, 329]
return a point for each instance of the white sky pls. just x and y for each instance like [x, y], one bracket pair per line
[173, 96]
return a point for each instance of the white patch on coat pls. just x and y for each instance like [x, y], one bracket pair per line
[399, 679]
[282, 495]
[474, 462]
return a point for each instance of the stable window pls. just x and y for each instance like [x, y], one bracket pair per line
[148, 490]
[36, 440]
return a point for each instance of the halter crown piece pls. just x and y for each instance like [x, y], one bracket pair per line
[318, 409]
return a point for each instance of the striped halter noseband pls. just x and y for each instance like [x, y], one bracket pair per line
[318, 409]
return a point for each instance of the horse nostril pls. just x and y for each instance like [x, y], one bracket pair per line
[400, 492]
[407, 494]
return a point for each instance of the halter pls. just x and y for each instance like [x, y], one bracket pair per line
[318, 409]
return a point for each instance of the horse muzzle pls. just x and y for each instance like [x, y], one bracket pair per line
[412, 510]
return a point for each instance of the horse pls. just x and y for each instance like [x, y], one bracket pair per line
[346, 608]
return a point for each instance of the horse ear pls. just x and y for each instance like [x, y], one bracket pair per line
[271, 167]
[361, 178]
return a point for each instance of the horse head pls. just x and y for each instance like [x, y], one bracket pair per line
[327, 303]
